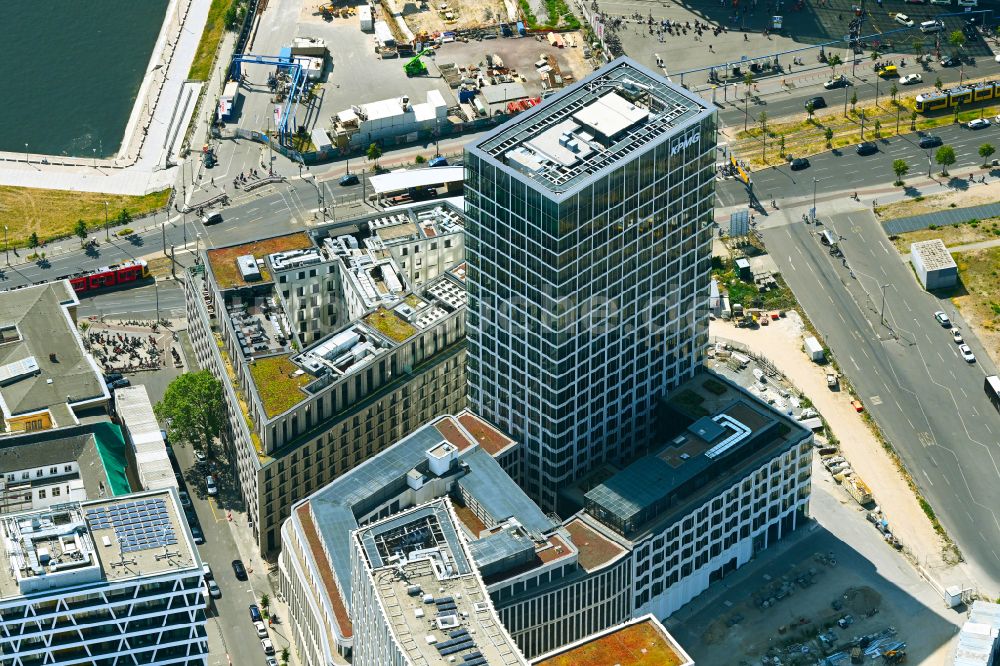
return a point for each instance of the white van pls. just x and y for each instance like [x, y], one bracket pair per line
[968, 3]
[931, 26]
[903, 19]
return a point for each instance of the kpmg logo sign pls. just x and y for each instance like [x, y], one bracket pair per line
[684, 143]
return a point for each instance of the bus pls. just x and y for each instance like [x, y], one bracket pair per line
[992, 388]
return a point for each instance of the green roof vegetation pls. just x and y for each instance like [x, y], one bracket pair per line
[278, 386]
[635, 645]
[389, 324]
[223, 260]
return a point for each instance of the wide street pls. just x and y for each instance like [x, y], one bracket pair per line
[843, 170]
[926, 398]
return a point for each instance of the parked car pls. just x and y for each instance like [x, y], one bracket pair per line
[261, 629]
[199, 538]
[438, 161]
[903, 19]
[867, 148]
[817, 103]
[185, 498]
[942, 319]
[271, 661]
[799, 163]
[957, 336]
[951, 61]
[978, 123]
[837, 82]
[267, 645]
[112, 377]
[929, 141]
[910, 79]
[348, 179]
[120, 383]
[239, 570]
[210, 485]
[206, 571]
[211, 218]
[200, 456]
[966, 353]
[255, 615]
[858, 407]
[213, 589]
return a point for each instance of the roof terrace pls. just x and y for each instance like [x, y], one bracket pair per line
[601, 120]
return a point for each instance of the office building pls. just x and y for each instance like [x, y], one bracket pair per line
[588, 246]
[100, 583]
[730, 477]
[47, 379]
[417, 597]
[331, 345]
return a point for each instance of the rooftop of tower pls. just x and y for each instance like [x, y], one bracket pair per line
[592, 125]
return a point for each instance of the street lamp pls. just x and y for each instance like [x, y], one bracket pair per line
[26, 154]
[94, 151]
[928, 163]
[815, 180]
[882, 314]
[6, 248]
[107, 234]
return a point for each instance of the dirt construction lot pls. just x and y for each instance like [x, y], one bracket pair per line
[787, 602]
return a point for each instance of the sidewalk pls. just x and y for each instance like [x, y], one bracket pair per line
[781, 342]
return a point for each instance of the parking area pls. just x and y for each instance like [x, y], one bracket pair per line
[831, 587]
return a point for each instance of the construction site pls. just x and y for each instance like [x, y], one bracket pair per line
[400, 73]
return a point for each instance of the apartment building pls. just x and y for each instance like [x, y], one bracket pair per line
[331, 345]
[100, 583]
[588, 249]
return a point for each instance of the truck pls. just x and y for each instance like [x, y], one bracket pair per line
[814, 349]
[832, 380]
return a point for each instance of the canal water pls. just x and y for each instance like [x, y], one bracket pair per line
[70, 71]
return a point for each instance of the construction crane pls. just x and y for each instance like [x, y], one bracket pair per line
[416, 66]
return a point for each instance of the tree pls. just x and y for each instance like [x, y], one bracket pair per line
[810, 108]
[374, 152]
[918, 46]
[957, 39]
[193, 409]
[828, 133]
[33, 241]
[834, 62]
[265, 602]
[985, 151]
[762, 119]
[900, 167]
[945, 156]
[854, 100]
[939, 83]
[285, 656]
[878, 128]
[893, 92]
[232, 16]
[913, 121]
[781, 146]
[80, 229]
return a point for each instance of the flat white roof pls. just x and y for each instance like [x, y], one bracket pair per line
[610, 114]
[405, 179]
[561, 144]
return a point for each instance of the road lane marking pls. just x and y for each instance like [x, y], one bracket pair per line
[855, 363]
[988, 428]
[884, 248]
[965, 394]
[790, 262]
[945, 477]
[927, 477]
[841, 317]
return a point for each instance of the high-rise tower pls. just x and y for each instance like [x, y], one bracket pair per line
[588, 249]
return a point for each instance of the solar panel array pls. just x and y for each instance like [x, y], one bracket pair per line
[139, 525]
[460, 640]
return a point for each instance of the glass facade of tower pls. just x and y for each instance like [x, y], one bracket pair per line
[586, 305]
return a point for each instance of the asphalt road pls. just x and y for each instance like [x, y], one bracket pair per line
[844, 170]
[232, 637]
[144, 303]
[928, 401]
